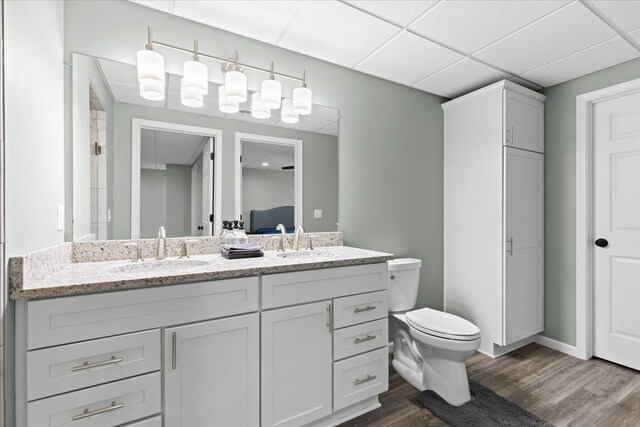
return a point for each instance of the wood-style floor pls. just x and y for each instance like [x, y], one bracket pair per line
[558, 388]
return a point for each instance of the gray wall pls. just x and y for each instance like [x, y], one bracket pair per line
[153, 202]
[265, 189]
[178, 201]
[320, 153]
[560, 195]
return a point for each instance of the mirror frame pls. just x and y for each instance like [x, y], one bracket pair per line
[298, 170]
[136, 136]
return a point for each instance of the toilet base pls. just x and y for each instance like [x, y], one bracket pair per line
[409, 375]
[448, 379]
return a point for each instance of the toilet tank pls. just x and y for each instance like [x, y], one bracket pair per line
[404, 278]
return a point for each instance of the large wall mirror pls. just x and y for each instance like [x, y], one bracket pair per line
[163, 163]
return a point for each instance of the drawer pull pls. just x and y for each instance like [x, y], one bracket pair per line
[367, 308]
[367, 338]
[359, 381]
[87, 413]
[87, 365]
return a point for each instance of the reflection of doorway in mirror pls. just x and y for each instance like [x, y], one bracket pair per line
[98, 166]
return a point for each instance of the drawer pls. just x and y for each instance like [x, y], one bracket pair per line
[71, 319]
[360, 338]
[300, 287]
[149, 422]
[360, 308]
[70, 367]
[101, 406]
[360, 377]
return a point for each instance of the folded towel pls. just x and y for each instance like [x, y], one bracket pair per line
[242, 250]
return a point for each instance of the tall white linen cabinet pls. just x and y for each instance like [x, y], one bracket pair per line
[494, 213]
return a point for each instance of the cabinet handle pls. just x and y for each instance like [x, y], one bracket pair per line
[173, 351]
[367, 308]
[359, 381]
[330, 322]
[367, 338]
[510, 248]
[87, 413]
[87, 365]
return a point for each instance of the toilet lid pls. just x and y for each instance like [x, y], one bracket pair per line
[443, 325]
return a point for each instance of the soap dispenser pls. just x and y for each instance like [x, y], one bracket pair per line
[242, 236]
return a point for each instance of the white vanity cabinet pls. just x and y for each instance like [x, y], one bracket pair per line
[211, 371]
[494, 213]
[296, 364]
[255, 351]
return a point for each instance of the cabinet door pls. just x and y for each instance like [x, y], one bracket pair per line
[296, 365]
[523, 276]
[211, 373]
[523, 122]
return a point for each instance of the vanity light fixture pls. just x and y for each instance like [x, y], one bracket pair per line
[195, 74]
[235, 82]
[150, 64]
[287, 114]
[271, 91]
[195, 83]
[302, 98]
[258, 110]
[152, 93]
[225, 104]
[189, 98]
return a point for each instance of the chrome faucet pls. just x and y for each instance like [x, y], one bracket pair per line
[296, 237]
[283, 231]
[161, 249]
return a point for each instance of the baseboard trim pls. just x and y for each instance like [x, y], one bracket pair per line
[558, 346]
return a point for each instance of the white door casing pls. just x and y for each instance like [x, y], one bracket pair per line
[207, 188]
[212, 376]
[616, 130]
[523, 277]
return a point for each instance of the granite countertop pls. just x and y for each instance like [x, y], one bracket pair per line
[91, 277]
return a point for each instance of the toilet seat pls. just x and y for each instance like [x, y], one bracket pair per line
[442, 325]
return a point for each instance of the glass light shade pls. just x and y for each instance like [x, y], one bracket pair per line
[190, 99]
[225, 104]
[152, 93]
[150, 68]
[271, 94]
[235, 83]
[196, 77]
[288, 116]
[302, 101]
[258, 110]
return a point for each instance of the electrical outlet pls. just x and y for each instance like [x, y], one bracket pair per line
[317, 213]
[60, 217]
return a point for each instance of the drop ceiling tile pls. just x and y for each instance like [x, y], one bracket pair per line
[399, 12]
[460, 78]
[624, 13]
[335, 32]
[472, 25]
[596, 58]
[526, 83]
[322, 112]
[262, 20]
[332, 129]
[635, 35]
[564, 32]
[163, 5]
[407, 59]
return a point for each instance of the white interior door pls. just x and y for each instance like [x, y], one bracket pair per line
[207, 188]
[523, 286]
[617, 220]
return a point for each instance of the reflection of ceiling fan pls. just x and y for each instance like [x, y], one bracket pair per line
[288, 168]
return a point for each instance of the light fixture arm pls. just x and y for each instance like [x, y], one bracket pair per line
[149, 45]
[271, 75]
[225, 62]
[304, 78]
[196, 57]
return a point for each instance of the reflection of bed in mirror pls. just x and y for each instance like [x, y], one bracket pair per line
[266, 221]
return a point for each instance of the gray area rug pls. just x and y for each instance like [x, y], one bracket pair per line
[485, 409]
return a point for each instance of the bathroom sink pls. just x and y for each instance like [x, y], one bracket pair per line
[304, 254]
[163, 265]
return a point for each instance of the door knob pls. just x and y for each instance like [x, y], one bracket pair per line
[200, 227]
[602, 243]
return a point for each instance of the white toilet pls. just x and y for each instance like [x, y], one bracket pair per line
[429, 346]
